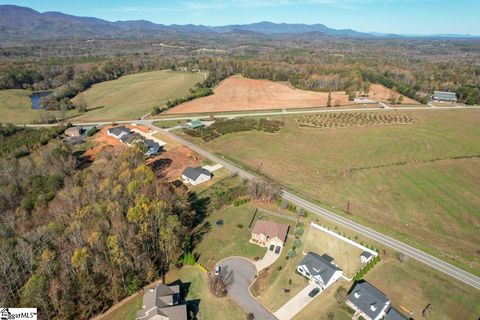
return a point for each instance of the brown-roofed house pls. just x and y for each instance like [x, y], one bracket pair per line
[265, 233]
[162, 303]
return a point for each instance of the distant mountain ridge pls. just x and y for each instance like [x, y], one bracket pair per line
[22, 23]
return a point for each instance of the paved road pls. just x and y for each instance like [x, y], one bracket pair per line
[419, 255]
[244, 272]
[253, 114]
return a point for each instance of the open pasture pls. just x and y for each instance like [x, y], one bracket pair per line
[416, 182]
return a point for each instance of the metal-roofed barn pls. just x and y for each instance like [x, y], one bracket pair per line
[444, 96]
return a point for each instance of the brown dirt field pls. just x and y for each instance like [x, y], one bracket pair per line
[171, 163]
[380, 93]
[237, 93]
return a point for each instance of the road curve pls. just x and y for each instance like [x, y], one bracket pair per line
[244, 272]
[416, 254]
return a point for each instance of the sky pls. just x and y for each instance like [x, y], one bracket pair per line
[386, 16]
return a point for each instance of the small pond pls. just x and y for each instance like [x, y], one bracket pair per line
[36, 96]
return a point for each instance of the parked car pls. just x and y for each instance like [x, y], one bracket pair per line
[219, 222]
[314, 292]
[272, 247]
[217, 270]
[277, 249]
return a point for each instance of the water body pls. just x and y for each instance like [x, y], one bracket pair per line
[36, 98]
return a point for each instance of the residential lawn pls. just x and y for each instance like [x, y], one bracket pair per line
[270, 284]
[393, 176]
[414, 285]
[323, 304]
[227, 240]
[211, 307]
[217, 176]
[132, 96]
[16, 107]
[346, 256]
[126, 311]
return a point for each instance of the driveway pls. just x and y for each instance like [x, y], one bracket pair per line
[244, 272]
[268, 259]
[296, 304]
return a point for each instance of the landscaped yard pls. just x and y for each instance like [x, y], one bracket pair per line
[222, 241]
[414, 285]
[346, 256]
[211, 307]
[132, 96]
[416, 182]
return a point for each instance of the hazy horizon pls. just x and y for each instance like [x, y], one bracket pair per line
[425, 17]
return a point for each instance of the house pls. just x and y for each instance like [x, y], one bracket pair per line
[195, 123]
[152, 147]
[366, 256]
[118, 132]
[73, 132]
[320, 269]
[444, 96]
[368, 301]
[162, 303]
[394, 314]
[196, 175]
[265, 233]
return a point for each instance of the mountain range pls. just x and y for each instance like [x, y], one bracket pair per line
[22, 23]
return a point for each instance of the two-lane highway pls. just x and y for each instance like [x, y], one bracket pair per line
[419, 255]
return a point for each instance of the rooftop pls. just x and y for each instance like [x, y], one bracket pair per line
[271, 229]
[194, 173]
[368, 299]
[320, 266]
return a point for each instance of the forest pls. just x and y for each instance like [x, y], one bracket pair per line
[413, 67]
[76, 240]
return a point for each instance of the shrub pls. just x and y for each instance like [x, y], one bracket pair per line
[239, 226]
[92, 131]
[188, 259]
[291, 253]
[279, 268]
[297, 243]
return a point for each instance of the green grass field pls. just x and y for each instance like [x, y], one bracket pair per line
[131, 96]
[405, 180]
[228, 240]
[16, 107]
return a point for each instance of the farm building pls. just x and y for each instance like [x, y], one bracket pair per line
[195, 124]
[320, 269]
[196, 175]
[443, 96]
[368, 301]
[73, 132]
[265, 233]
[366, 257]
[118, 132]
[162, 303]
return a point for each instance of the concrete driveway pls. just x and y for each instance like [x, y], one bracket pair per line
[296, 304]
[268, 259]
[244, 272]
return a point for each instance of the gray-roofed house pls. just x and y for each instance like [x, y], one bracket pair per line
[444, 96]
[162, 303]
[196, 175]
[366, 256]
[118, 131]
[368, 301]
[152, 147]
[195, 123]
[320, 269]
[394, 314]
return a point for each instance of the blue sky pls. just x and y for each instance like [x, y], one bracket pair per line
[389, 16]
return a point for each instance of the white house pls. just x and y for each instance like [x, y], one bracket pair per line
[366, 256]
[196, 175]
[320, 269]
[368, 301]
[118, 132]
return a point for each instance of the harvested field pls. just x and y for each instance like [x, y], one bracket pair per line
[238, 93]
[352, 119]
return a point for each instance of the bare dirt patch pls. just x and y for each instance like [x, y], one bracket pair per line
[238, 93]
[171, 163]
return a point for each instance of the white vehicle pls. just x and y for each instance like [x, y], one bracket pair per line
[217, 270]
